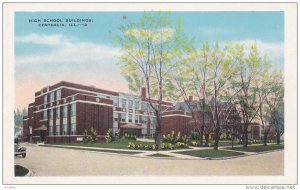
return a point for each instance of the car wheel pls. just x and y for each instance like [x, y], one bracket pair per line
[24, 155]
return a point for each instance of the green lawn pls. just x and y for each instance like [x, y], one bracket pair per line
[210, 153]
[20, 170]
[160, 155]
[119, 144]
[258, 148]
[96, 150]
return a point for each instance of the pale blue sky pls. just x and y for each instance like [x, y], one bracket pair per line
[86, 54]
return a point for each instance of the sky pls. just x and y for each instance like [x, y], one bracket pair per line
[46, 55]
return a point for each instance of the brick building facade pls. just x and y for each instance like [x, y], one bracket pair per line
[62, 112]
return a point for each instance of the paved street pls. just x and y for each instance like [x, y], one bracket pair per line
[47, 161]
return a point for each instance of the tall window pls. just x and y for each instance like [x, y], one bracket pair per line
[52, 97]
[57, 129]
[65, 129]
[73, 109]
[45, 99]
[65, 111]
[58, 94]
[129, 117]
[123, 103]
[115, 116]
[51, 113]
[73, 128]
[57, 112]
[45, 115]
[144, 119]
[136, 118]
[130, 104]
[51, 129]
[123, 117]
[116, 101]
[137, 105]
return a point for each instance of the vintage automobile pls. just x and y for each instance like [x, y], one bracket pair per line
[19, 150]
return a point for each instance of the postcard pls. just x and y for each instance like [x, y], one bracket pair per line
[150, 93]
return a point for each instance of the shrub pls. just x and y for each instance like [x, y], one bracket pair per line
[195, 136]
[129, 137]
[90, 136]
[109, 136]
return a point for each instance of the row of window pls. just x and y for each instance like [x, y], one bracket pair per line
[57, 113]
[65, 130]
[52, 96]
[137, 118]
[136, 104]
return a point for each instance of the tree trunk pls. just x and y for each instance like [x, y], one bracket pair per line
[217, 137]
[245, 135]
[157, 132]
[265, 138]
[278, 138]
[206, 139]
[201, 135]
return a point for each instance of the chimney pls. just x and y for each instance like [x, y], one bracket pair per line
[190, 98]
[143, 92]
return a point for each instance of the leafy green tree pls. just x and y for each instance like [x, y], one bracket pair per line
[150, 47]
[248, 67]
[18, 119]
[275, 102]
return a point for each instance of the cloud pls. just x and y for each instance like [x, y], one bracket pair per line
[43, 39]
[66, 51]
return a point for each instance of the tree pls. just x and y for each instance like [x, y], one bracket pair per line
[150, 48]
[277, 119]
[276, 104]
[18, 118]
[248, 66]
[220, 72]
[264, 85]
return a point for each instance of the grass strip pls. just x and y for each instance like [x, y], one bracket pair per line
[95, 150]
[20, 170]
[257, 148]
[210, 153]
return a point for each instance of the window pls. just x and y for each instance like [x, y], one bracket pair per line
[123, 117]
[123, 103]
[137, 105]
[65, 111]
[129, 117]
[144, 119]
[51, 113]
[57, 113]
[130, 104]
[57, 129]
[136, 118]
[52, 97]
[65, 129]
[58, 94]
[45, 114]
[73, 109]
[116, 101]
[45, 99]
[115, 116]
[50, 129]
[73, 129]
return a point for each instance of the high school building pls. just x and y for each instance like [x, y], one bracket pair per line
[62, 112]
